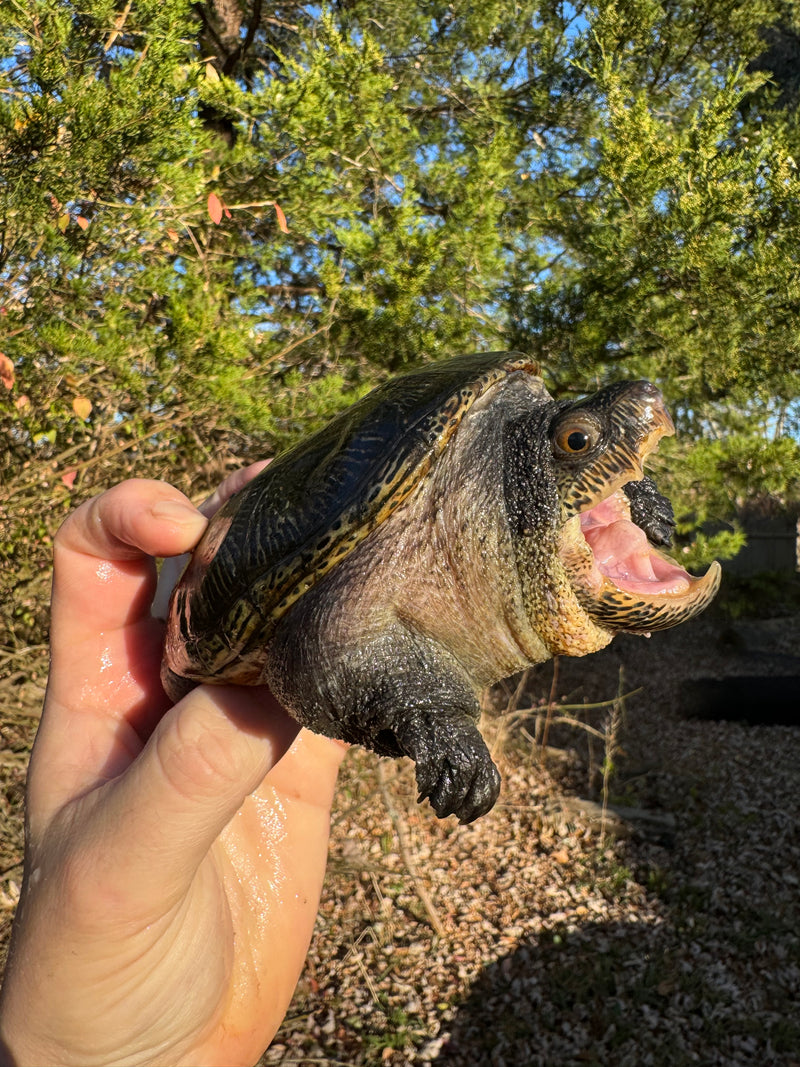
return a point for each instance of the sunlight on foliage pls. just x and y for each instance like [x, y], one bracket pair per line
[219, 225]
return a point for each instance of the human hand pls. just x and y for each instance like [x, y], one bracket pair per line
[174, 856]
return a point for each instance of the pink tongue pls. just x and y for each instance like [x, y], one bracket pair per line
[622, 553]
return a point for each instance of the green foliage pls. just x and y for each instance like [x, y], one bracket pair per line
[731, 471]
[95, 133]
[676, 236]
[612, 188]
[724, 544]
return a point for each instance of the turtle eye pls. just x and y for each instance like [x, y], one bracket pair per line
[576, 436]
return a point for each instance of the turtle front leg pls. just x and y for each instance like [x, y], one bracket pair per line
[399, 694]
[403, 694]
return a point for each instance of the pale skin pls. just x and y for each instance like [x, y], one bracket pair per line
[174, 856]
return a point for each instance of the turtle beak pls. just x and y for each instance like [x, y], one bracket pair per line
[631, 418]
[644, 410]
[658, 423]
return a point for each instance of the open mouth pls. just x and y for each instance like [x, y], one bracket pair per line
[622, 580]
[622, 553]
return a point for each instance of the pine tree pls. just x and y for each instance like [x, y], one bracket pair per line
[219, 223]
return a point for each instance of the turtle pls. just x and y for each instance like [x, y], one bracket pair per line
[453, 527]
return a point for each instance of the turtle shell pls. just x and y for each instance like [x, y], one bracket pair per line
[314, 504]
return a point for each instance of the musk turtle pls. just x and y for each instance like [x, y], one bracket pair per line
[453, 527]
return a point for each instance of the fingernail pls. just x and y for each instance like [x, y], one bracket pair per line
[176, 511]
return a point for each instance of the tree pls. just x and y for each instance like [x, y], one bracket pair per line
[221, 222]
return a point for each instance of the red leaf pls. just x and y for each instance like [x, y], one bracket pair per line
[281, 218]
[6, 371]
[215, 208]
[68, 478]
[82, 222]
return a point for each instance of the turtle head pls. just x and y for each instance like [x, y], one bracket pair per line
[600, 444]
[609, 532]
[606, 522]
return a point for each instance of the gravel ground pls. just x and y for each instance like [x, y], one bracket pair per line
[655, 924]
[660, 928]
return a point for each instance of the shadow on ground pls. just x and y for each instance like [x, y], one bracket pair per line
[627, 996]
[710, 974]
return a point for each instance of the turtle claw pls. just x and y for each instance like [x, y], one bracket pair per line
[467, 789]
[483, 794]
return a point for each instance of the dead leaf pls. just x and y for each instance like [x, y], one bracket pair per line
[562, 857]
[215, 208]
[281, 218]
[82, 406]
[22, 402]
[173, 235]
[82, 222]
[68, 478]
[7, 374]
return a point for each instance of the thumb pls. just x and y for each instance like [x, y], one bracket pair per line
[207, 754]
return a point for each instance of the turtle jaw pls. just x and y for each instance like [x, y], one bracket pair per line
[661, 425]
[622, 580]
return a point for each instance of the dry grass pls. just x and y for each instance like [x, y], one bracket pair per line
[22, 678]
